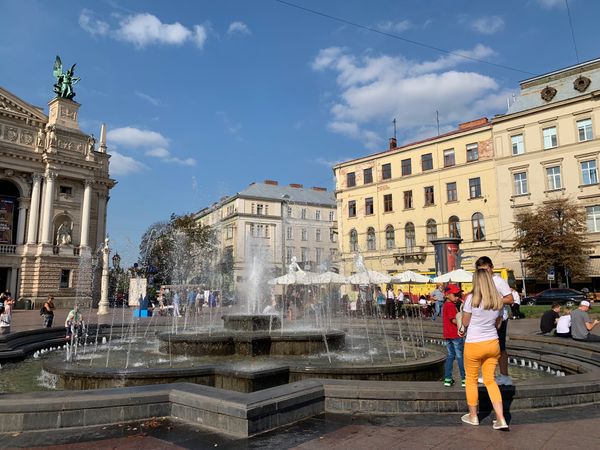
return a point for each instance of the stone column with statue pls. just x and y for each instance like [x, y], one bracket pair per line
[103, 305]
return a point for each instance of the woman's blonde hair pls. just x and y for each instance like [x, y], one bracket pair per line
[484, 291]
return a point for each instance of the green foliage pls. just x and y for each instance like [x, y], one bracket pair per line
[554, 234]
[180, 250]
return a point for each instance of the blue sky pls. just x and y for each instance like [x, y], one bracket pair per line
[202, 98]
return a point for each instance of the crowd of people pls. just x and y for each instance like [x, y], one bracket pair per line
[573, 323]
[178, 302]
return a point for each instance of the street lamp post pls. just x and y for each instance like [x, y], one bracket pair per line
[103, 305]
[284, 205]
[523, 275]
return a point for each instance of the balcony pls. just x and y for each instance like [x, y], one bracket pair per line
[411, 254]
[8, 249]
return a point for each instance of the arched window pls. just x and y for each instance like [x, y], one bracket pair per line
[454, 227]
[371, 238]
[409, 236]
[353, 240]
[431, 227]
[478, 227]
[390, 237]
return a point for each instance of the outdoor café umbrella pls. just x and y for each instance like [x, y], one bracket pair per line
[330, 278]
[298, 277]
[408, 276]
[456, 276]
[369, 277]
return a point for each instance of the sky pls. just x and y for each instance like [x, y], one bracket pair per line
[202, 98]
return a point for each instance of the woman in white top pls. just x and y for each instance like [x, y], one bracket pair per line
[482, 315]
[563, 324]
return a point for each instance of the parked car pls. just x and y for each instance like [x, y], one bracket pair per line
[569, 297]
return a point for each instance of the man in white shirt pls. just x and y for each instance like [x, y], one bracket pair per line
[506, 293]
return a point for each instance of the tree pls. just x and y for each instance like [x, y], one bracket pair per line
[553, 235]
[178, 251]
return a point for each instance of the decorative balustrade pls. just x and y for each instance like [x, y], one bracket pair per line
[8, 249]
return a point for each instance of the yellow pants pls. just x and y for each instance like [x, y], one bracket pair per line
[485, 355]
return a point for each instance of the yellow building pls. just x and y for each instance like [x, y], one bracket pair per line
[547, 147]
[391, 204]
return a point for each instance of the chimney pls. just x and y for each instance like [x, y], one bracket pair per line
[393, 143]
[317, 188]
[271, 182]
[295, 185]
[473, 123]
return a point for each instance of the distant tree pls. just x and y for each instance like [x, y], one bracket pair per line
[553, 235]
[178, 251]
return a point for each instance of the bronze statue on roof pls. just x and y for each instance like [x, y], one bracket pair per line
[63, 87]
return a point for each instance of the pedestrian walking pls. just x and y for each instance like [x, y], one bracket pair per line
[48, 311]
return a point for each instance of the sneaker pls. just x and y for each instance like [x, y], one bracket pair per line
[499, 425]
[448, 382]
[480, 380]
[463, 383]
[504, 380]
[470, 420]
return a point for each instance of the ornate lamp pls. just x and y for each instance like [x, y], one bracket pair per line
[116, 260]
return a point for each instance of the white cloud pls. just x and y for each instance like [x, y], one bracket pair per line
[136, 138]
[92, 25]
[144, 29]
[148, 98]
[488, 24]
[124, 165]
[373, 90]
[395, 27]
[239, 28]
[158, 152]
[550, 4]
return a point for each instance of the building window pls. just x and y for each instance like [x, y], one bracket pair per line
[368, 175]
[431, 228]
[550, 137]
[332, 235]
[387, 203]
[289, 233]
[451, 191]
[352, 208]
[386, 171]
[589, 173]
[318, 235]
[353, 241]
[454, 227]
[303, 213]
[259, 209]
[229, 232]
[65, 278]
[66, 190]
[478, 227]
[408, 200]
[390, 237]
[593, 218]
[472, 152]
[474, 187]
[426, 162]
[517, 144]
[304, 234]
[553, 177]
[331, 216]
[371, 239]
[289, 252]
[318, 255]
[350, 179]
[406, 167]
[449, 159]
[289, 211]
[520, 181]
[584, 129]
[304, 254]
[429, 199]
[369, 206]
[318, 214]
[409, 236]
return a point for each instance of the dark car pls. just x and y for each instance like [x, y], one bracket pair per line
[569, 297]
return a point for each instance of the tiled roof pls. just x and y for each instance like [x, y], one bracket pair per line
[295, 195]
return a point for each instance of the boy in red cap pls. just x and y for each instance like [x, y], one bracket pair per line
[454, 343]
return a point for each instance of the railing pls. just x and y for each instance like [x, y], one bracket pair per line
[8, 249]
[56, 250]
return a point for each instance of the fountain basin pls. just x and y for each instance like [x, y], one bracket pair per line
[251, 322]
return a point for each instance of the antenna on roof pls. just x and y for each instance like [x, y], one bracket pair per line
[437, 119]
[394, 122]
[572, 31]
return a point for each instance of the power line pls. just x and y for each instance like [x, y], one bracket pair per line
[400, 38]
[572, 31]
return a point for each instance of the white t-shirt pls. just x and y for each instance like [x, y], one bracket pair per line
[503, 289]
[516, 297]
[483, 322]
[563, 325]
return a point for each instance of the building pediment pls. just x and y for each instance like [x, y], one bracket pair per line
[16, 108]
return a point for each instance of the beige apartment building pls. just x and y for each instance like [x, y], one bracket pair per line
[547, 146]
[392, 204]
[268, 224]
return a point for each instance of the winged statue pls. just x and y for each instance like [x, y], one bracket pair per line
[64, 81]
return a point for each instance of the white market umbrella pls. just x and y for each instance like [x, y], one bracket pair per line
[457, 276]
[299, 277]
[408, 276]
[330, 278]
[369, 277]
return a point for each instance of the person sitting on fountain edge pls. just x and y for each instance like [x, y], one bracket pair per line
[73, 322]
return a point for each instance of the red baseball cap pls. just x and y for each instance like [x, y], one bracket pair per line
[452, 289]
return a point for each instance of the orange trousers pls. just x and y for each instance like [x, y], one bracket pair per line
[485, 355]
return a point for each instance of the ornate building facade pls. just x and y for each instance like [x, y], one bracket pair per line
[54, 188]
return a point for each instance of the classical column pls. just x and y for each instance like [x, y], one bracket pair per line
[34, 209]
[46, 237]
[23, 204]
[101, 228]
[13, 281]
[103, 305]
[85, 215]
